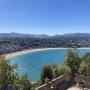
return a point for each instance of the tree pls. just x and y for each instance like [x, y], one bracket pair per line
[46, 74]
[83, 69]
[73, 61]
[63, 69]
[7, 71]
[9, 76]
[86, 61]
[54, 69]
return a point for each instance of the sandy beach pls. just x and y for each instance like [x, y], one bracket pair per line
[11, 55]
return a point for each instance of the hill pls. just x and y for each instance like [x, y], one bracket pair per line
[11, 42]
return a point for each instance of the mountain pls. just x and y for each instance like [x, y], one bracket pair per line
[77, 35]
[14, 35]
[12, 42]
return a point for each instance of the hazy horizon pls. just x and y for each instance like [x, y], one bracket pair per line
[48, 33]
[49, 17]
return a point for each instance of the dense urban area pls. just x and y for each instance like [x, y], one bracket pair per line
[11, 42]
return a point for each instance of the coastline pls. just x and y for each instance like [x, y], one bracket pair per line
[11, 55]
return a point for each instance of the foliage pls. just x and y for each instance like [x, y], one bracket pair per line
[86, 61]
[73, 64]
[54, 69]
[83, 69]
[47, 74]
[73, 61]
[8, 75]
[63, 69]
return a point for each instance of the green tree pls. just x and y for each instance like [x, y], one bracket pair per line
[83, 69]
[7, 71]
[73, 61]
[25, 82]
[46, 74]
[54, 69]
[86, 61]
[63, 69]
[8, 75]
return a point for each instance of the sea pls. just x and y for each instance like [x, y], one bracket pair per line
[32, 63]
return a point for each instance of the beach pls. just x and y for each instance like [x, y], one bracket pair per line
[11, 55]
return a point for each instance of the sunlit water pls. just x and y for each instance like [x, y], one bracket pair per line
[32, 63]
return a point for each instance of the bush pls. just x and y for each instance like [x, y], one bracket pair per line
[63, 69]
[73, 60]
[83, 69]
[85, 66]
[47, 74]
[9, 76]
[54, 69]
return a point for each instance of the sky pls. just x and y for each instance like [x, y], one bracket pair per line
[45, 16]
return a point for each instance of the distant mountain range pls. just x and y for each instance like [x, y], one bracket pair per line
[12, 42]
[43, 36]
[22, 35]
[77, 34]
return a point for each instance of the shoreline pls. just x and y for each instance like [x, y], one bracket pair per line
[11, 55]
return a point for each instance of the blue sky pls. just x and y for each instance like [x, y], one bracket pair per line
[45, 16]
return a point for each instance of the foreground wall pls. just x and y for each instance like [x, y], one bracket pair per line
[64, 82]
[60, 83]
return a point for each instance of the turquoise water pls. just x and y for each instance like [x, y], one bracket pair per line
[31, 63]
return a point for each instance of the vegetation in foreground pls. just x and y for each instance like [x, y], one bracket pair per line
[9, 78]
[72, 65]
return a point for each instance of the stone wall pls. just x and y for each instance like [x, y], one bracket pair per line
[61, 83]
[83, 80]
[64, 82]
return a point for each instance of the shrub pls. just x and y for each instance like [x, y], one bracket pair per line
[85, 66]
[9, 76]
[73, 61]
[47, 74]
[63, 69]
